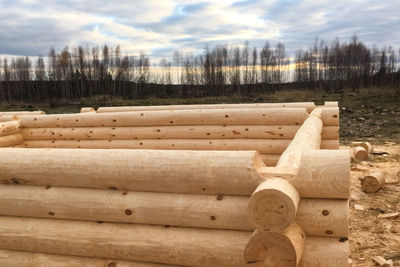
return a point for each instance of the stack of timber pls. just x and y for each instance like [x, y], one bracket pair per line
[10, 133]
[176, 201]
[266, 128]
[12, 115]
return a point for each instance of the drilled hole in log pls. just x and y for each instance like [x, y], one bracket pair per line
[208, 133]
[128, 212]
[77, 120]
[167, 226]
[203, 189]
[343, 239]
[171, 122]
[335, 116]
[48, 187]
[158, 130]
[35, 119]
[51, 213]
[112, 264]
[328, 232]
[213, 218]
[226, 116]
[112, 188]
[141, 114]
[125, 193]
[325, 212]
[220, 197]
[263, 115]
[100, 221]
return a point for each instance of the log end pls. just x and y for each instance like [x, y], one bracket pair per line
[372, 182]
[273, 205]
[360, 153]
[275, 249]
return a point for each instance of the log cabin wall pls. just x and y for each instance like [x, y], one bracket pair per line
[173, 198]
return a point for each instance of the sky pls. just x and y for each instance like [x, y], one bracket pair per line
[160, 27]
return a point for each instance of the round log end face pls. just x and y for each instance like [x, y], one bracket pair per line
[360, 153]
[270, 249]
[272, 208]
[370, 184]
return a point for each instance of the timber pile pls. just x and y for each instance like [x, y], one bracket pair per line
[10, 134]
[185, 206]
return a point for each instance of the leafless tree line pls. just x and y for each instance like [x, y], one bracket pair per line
[223, 70]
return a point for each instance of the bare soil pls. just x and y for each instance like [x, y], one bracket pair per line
[369, 235]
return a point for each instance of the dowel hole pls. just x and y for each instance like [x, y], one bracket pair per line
[128, 212]
[112, 264]
[335, 116]
[48, 186]
[51, 213]
[343, 239]
[302, 235]
[226, 116]
[220, 197]
[125, 193]
[35, 119]
[328, 232]
[167, 226]
[281, 206]
[208, 133]
[141, 143]
[158, 130]
[100, 221]
[325, 212]
[114, 120]
[263, 115]
[141, 114]
[203, 189]
[171, 122]
[77, 120]
[91, 132]
[112, 188]
[113, 128]
[213, 218]
[247, 129]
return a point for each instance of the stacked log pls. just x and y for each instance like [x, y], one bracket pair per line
[202, 190]
[10, 134]
[261, 127]
[274, 207]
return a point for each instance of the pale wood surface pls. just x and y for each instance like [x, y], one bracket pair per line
[198, 172]
[330, 116]
[275, 249]
[11, 127]
[372, 182]
[259, 116]
[11, 140]
[171, 245]
[308, 105]
[12, 258]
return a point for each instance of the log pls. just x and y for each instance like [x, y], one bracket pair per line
[360, 153]
[330, 116]
[87, 109]
[330, 132]
[323, 174]
[265, 146]
[197, 172]
[37, 112]
[167, 132]
[270, 159]
[11, 140]
[9, 128]
[259, 116]
[321, 217]
[12, 258]
[307, 138]
[275, 248]
[330, 144]
[5, 118]
[324, 217]
[188, 210]
[273, 205]
[325, 251]
[366, 145]
[331, 104]
[171, 245]
[308, 105]
[372, 182]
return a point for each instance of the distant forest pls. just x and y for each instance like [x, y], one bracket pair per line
[83, 72]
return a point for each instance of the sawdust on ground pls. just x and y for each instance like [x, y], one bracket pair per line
[369, 235]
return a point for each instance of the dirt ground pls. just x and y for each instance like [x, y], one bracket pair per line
[370, 235]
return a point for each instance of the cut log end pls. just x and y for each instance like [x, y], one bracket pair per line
[275, 249]
[360, 153]
[273, 205]
[372, 182]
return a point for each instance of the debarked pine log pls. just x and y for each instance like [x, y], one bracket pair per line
[261, 116]
[320, 217]
[172, 245]
[308, 105]
[11, 140]
[173, 132]
[13, 258]
[9, 128]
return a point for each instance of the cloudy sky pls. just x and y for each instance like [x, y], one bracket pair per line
[159, 27]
